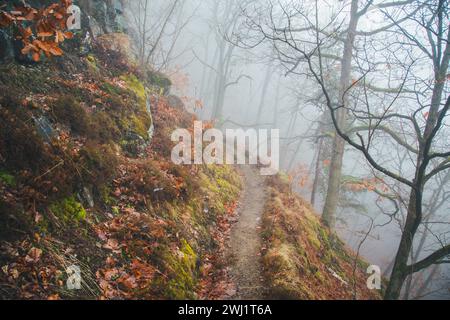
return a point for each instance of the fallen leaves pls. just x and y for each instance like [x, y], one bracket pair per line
[11, 271]
[32, 274]
[113, 245]
[53, 297]
[34, 255]
[122, 281]
[216, 281]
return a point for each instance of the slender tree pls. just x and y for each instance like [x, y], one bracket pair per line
[414, 117]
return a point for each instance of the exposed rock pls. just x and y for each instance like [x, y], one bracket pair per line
[135, 145]
[116, 42]
[85, 196]
[151, 130]
[86, 44]
[44, 127]
[115, 21]
[120, 23]
[104, 16]
[94, 27]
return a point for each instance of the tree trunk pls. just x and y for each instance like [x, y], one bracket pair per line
[264, 92]
[399, 271]
[277, 104]
[316, 173]
[334, 181]
[414, 214]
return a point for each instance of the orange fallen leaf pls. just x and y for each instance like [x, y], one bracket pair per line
[34, 255]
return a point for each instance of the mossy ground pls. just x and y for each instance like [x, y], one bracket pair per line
[7, 178]
[69, 210]
[304, 259]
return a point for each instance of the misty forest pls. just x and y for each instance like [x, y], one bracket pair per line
[94, 207]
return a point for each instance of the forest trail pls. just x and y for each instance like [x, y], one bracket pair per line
[245, 242]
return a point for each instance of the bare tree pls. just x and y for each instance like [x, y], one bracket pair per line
[157, 28]
[222, 73]
[414, 118]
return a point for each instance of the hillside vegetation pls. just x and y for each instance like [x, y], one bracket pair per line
[302, 258]
[86, 180]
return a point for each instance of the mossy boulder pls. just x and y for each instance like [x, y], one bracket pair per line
[141, 121]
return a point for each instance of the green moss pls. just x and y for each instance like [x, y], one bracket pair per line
[324, 238]
[27, 80]
[300, 250]
[313, 230]
[135, 85]
[92, 62]
[69, 210]
[222, 185]
[228, 191]
[111, 89]
[313, 240]
[184, 273]
[8, 179]
[101, 161]
[282, 271]
[103, 127]
[227, 182]
[105, 194]
[141, 125]
[139, 120]
[281, 259]
[319, 276]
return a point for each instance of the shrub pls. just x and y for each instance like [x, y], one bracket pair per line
[20, 144]
[100, 161]
[68, 111]
[103, 127]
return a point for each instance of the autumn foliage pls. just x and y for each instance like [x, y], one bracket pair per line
[40, 30]
[153, 230]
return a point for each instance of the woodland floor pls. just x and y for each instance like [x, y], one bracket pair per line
[245, 242]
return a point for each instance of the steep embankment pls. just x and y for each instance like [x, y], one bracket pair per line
[301, 258]
[86, 181]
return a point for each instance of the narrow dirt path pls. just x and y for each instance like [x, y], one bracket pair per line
[245, 242]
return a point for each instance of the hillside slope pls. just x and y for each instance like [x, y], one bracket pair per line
[86, 180]
[302, 259]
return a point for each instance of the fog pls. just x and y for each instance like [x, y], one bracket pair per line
[228, 73]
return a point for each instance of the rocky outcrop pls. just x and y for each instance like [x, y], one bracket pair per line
[102, 16]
